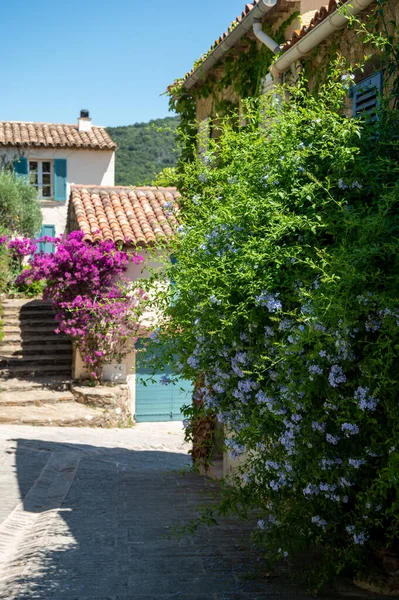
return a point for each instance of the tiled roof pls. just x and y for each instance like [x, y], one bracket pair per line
[135, 216]
[318, 17]
[233, 25]
[18, 133]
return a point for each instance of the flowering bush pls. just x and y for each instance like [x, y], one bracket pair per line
[94, 304]
[286, 298]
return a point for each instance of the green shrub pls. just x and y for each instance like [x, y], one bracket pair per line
[19, 207]
[286, 297]
[33, 289]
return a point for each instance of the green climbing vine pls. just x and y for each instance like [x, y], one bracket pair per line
[242, 73]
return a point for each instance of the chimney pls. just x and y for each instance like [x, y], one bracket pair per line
[84, 121]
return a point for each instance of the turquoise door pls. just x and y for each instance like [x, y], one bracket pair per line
[158, 402]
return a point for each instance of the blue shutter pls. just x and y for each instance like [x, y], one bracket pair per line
[21, 167]
[46, 247]
[366, 95]
[60, 178]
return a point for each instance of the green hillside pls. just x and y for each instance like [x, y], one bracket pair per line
[144, 150]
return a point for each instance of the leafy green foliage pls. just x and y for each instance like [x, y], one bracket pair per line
[286, 297]
[144, 149]
[19, 207]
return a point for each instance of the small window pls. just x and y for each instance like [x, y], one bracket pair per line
[41, 176]
[366, 96]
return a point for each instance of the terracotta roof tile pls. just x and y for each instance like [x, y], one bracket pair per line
[136, 216]
[18, 133]
[318, 17]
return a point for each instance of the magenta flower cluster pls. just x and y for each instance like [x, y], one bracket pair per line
[91, 297]
[21, 247]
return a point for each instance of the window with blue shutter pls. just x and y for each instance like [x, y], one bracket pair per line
[366, 96]
[47, 247]
[60, 179]
[21, 167]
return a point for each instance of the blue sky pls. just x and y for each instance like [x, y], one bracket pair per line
[114, 58]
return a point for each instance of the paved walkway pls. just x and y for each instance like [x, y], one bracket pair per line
[85, 515]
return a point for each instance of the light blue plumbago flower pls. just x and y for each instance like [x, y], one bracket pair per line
[274, 485]
[311, 490]
[317, 520]
[165, 380]
[218, 388]
[181, 229]
[232, 180]
[276, 182]
[345, 499]
[193, 362]
[342, 185]
[268, 332]
[357, 185]
[315, 370]
[272, 303]
[356, 462]
[365, 400]
[372, 325]
[350, 528]
[285, 324]
[196, 199]
[202, 178]
[322, 353]
[246, 478]
[264, 179]
[349, 429]
[300, 146]
[167, 205]
[186, 423]
[300, 169]
[318, 426]
[360, 538]
[336, 376]
[343, 482]
[215, 300]
[332, 439]
[347, 77]
[326, 464]
[261, 524]
[271, 464]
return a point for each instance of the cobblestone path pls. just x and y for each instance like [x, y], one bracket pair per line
[85, 515]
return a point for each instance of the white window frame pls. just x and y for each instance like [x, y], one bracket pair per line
[40, 162]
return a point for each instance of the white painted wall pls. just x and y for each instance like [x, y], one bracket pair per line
[91, 167]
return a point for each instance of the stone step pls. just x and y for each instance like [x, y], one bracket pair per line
[65, 414]
[30, 323]
[18, 349]
[17, 339]
[18, 303]
[55, 382]
[39, 329]
[31, 370]
[36, 360]
[35, 397]
[33, 309]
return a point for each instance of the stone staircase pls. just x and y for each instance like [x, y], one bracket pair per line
[36, 370]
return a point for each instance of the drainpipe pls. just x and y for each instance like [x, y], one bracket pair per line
[241, 29]
[337, 20]
[263, 37]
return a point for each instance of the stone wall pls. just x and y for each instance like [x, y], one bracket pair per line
[348, 43]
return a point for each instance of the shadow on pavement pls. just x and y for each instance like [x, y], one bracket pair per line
[101, 518]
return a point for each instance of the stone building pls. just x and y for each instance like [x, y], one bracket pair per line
[270, 43]
[273, 40]
[53, 157]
